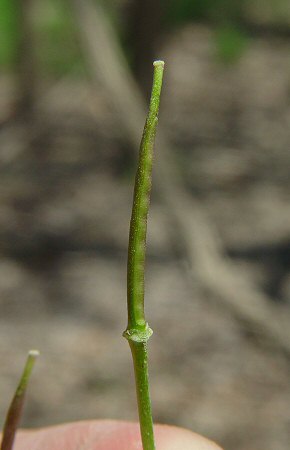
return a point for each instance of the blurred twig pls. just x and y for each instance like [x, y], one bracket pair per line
[192, 229]
[144, 29]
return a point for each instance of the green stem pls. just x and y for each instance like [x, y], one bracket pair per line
[138, 331]
[140, 361]
[15, 410]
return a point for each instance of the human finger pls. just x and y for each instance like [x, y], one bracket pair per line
[108, 435]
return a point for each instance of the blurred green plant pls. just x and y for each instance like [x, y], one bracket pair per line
[8, 32]
[55, 46]
[181, 11]
[57, 50]
[224, 15]
[230, 44]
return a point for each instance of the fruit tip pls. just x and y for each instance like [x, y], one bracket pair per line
[158, 62]
[33, 353]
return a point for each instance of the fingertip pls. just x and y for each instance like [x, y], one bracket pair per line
[109, 435]
[175, 438]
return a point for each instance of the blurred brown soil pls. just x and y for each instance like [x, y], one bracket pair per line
[65, 193]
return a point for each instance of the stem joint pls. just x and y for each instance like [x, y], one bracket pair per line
[136, 335]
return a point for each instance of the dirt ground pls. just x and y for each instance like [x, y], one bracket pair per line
[65, 193]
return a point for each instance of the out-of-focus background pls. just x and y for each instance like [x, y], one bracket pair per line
[75, 79]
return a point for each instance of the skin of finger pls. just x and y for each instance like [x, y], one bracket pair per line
[108, 435]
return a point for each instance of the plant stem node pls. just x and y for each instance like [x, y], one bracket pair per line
[136, 335]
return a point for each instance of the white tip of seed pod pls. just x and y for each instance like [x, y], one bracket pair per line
[33, 353]
[158, 63]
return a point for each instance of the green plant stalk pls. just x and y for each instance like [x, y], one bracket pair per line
[15, 410]
[138, 331]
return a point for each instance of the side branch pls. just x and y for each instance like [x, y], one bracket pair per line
[137, 328]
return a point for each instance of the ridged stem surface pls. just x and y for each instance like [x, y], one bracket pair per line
[138, 331]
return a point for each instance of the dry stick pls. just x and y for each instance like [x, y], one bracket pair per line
[15, 410]
[217, 275]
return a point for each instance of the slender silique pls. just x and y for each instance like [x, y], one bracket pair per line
[14, 412]
[138, 331]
